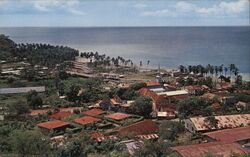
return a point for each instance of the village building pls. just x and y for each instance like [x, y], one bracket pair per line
[60, 115]
[162, 107]
[221, 97]
[196, 89]
[111, 76]
[169, 87]
[174, 93]
[143, 129]
[216, 148]
[53, 126]
[115, 104]
[118, 116]
[222, 142]
[229, 135]
[93, 112]
[86, 120]
[155, 86]
[199, 124]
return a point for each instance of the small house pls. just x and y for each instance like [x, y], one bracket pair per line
[54, 126]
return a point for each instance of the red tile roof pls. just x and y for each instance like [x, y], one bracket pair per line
[40, 111]
[53, 124]
[144, 127]
[86, 120]
[93, 112]
[230, 135]
[152, 83]
[60, 115]
[216, 148]
[118, 116]
[147, 92]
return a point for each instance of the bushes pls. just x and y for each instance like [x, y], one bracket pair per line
[194, 107]
[170, 130]
[142, 106]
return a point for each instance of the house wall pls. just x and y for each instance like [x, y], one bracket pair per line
[1, 117]
[190, 126]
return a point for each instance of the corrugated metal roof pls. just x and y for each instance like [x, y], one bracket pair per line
[225, 121]
[216, 148]
[174, 93]
[230, 135]
[140, 128]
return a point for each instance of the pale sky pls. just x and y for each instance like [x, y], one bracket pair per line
[85, 13]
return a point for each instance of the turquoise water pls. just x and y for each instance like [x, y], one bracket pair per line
[167, 46]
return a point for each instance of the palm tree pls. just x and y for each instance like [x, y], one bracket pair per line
[148, 62]
[231, 68]
[140, 63]
[225, 70]
[221, 69]
[181, 68]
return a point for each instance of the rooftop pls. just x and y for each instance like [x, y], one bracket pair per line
[152, 83]
[86, 120]
[93, 112]
[144, 127]
[39, 111]
[60, 115]
[225, 121]
[118, 116]
[216, 148]
[174, 93]
[53, 124]
[230, 135]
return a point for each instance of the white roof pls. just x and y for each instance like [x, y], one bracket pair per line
[157, 89]
[174, 93]
[165, 114]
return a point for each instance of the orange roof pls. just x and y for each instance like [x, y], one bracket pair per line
[231, 135]
[60, 115]
[53, 124]
[40, 111]
[140, 128]
[93, 112]
[118, 116]
[147, 92]
[152, 83]
[86, 120]
[216, 148]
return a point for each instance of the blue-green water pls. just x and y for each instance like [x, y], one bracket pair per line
[167, 46]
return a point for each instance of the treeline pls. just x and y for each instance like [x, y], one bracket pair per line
[36, 54]
[210, 69]
[98, 60]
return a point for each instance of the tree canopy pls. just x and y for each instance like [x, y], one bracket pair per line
[142, 106]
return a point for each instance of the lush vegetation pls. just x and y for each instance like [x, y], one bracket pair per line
[36, 54]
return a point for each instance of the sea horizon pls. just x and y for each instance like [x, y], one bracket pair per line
[162, 45]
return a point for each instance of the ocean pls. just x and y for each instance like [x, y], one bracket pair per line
[168, 47]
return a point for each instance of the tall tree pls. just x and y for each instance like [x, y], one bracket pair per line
[142, 106]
